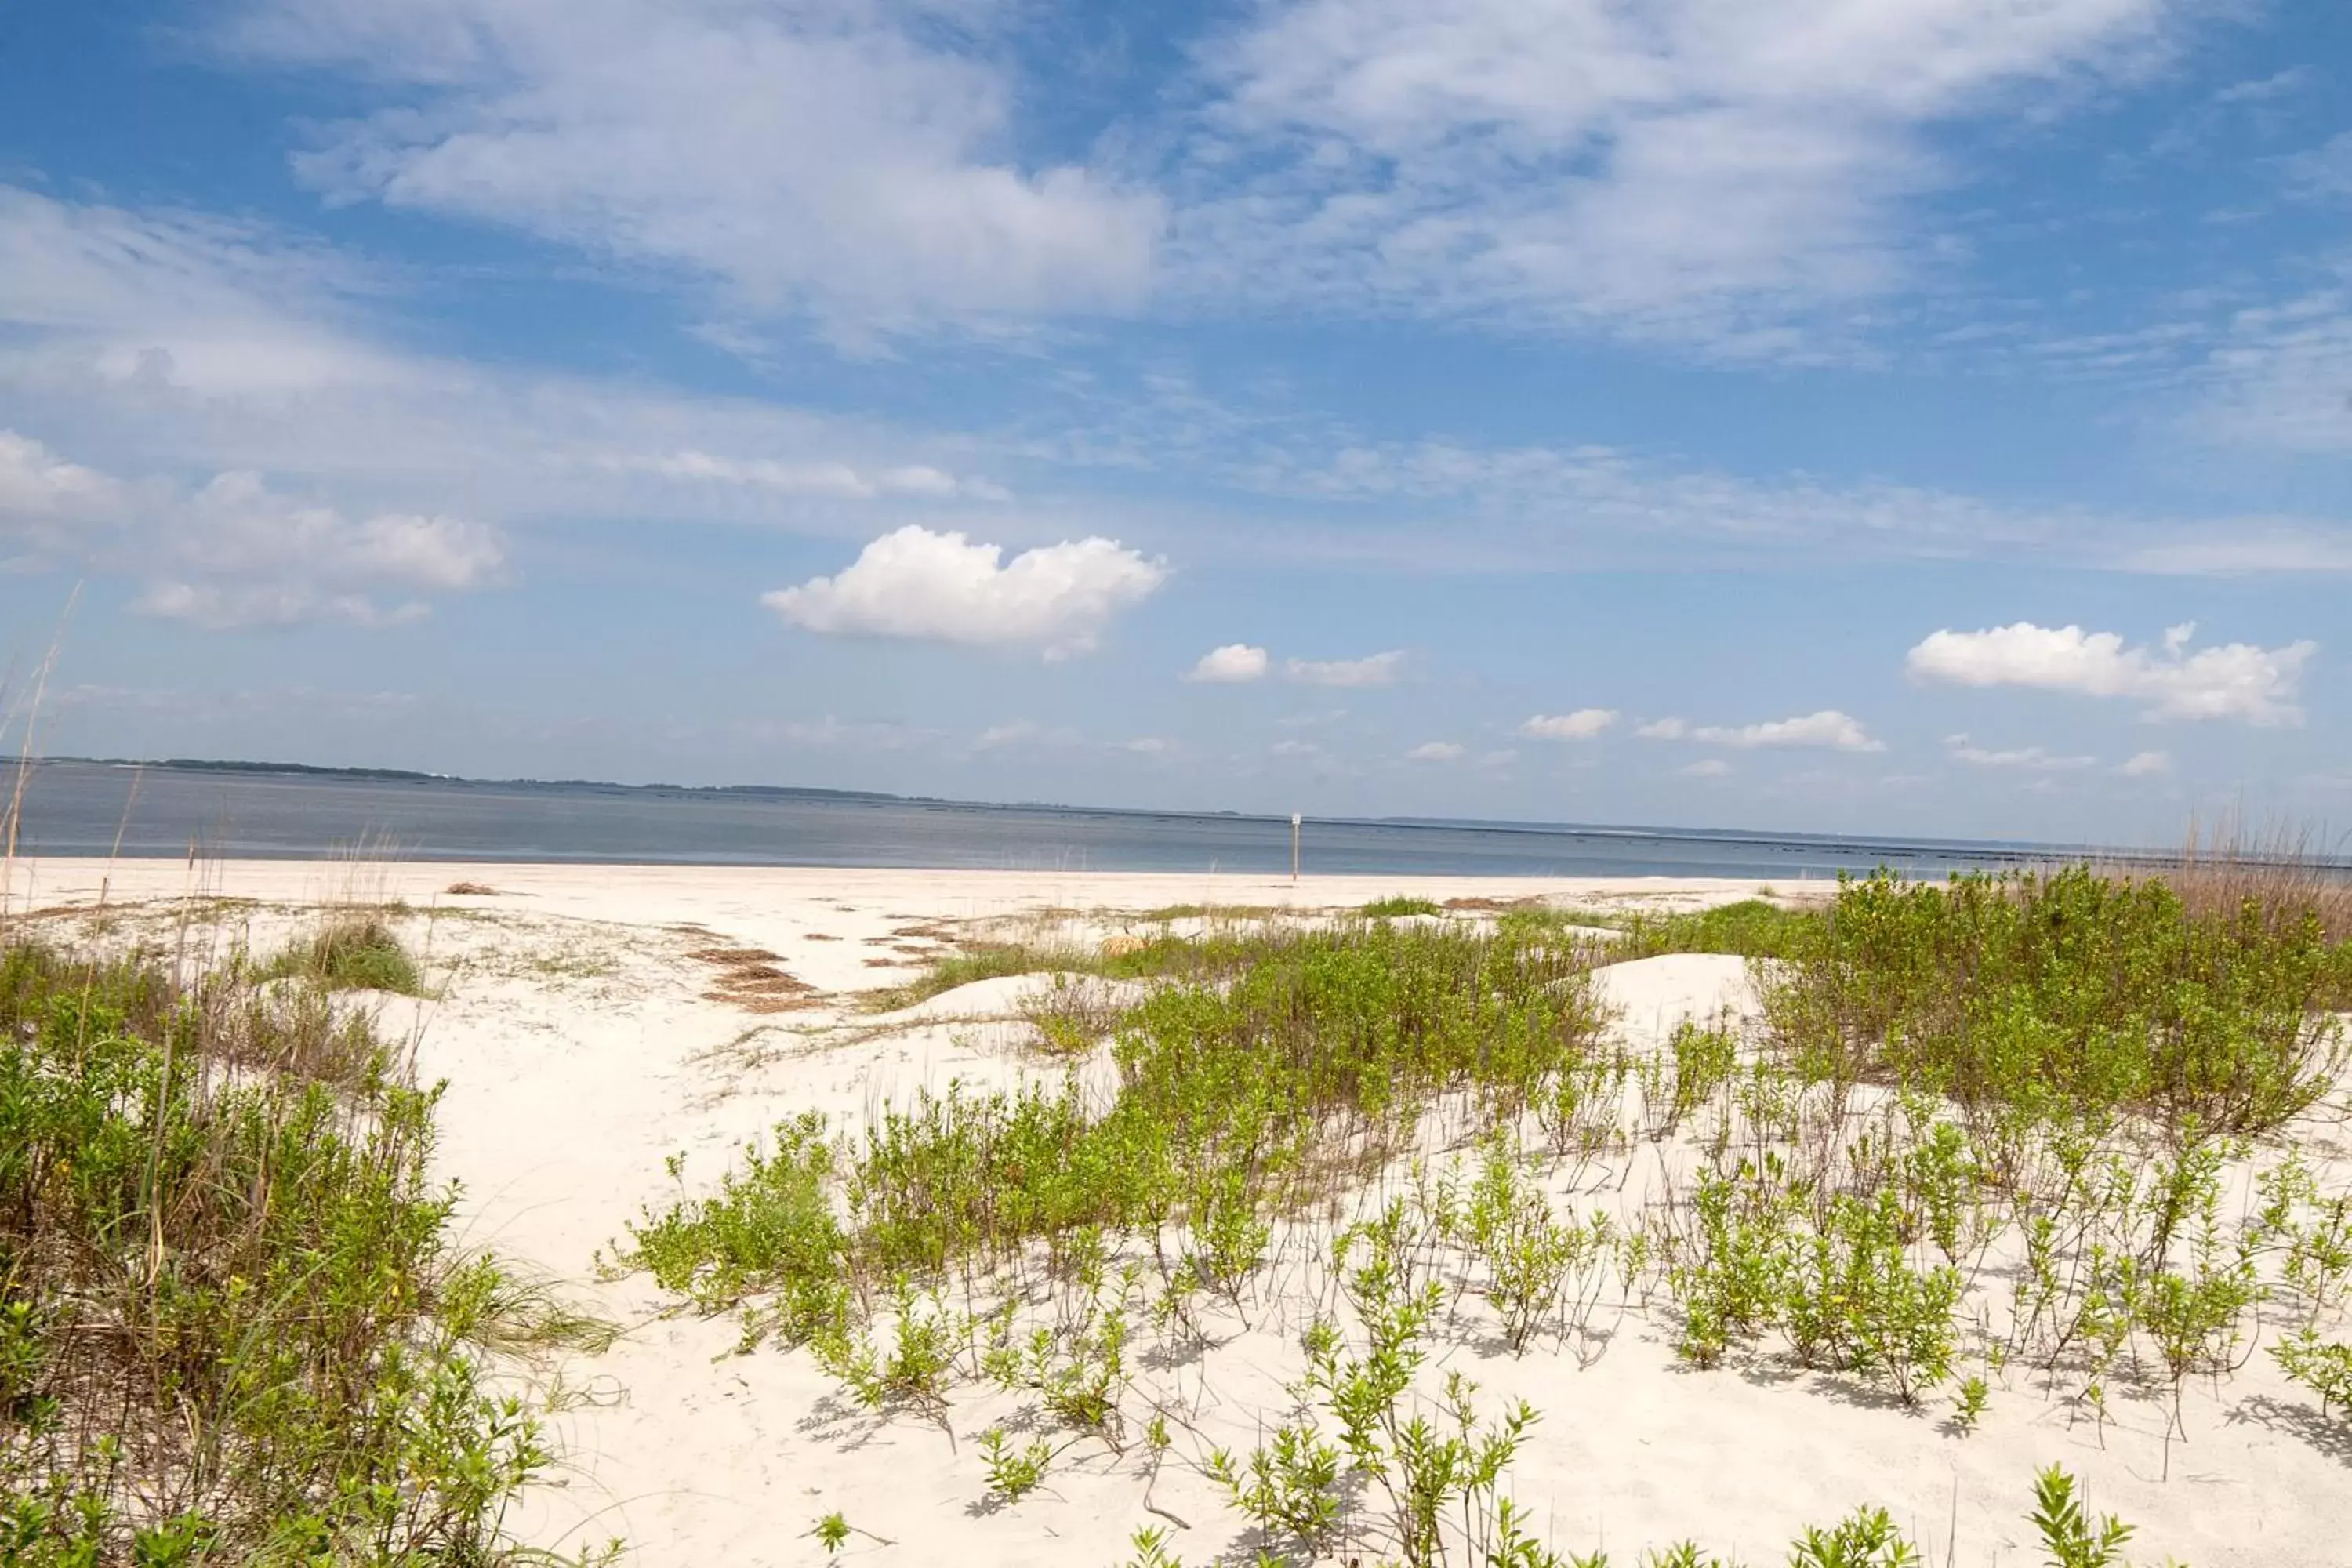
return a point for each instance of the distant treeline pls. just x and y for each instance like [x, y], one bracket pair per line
[410, 775]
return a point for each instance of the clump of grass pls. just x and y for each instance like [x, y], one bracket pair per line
[233, 1324]
[1752, 928]
[1397, 904]
[1234, 913]
[350, 952]
[985, 961]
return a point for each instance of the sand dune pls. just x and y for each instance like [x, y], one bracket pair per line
[584, 1042]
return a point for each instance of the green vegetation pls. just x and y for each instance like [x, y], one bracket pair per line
[1244, 1095]
[232, 1326]
[1398, 904]
[2069, 991]
[1751, 927]
[1980, 1127]
[352, 952]
[986, 960]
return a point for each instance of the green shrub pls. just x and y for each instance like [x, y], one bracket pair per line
[2066, 989]
[2325, 1369]
[232, 1323]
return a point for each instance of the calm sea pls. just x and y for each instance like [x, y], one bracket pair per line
[77, 808]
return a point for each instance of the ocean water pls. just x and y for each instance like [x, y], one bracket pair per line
[81, 808]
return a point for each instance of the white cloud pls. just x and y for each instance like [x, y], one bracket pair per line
[941, 587]
[2277, 378]
[1231, 665]
[1662, 729]
[1374, 669]
[2235, 681]
[2146, 764]
[151, 340]
[1147, 746]
[234, 552]
[1434, 752]
[815, 478]
[1027, 734]
[1581, 725]
[2034, 759]
[157, 341]
[1704, 768]
[831, 731]
[1708, 168]
[2324, 171]
[853, 159]
[2239, 551]
[1830, 728]
[49, 505]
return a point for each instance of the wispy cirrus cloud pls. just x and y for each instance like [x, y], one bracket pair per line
[152, 339]
[1373, 670]
[849, 159]
[1828, 727]
[2031, 759]
[1716, 172]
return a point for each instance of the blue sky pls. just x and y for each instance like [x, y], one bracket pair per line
[1913, 415]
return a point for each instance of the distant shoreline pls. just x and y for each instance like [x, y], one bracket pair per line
[1986, 849]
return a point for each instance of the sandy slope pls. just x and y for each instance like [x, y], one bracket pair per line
[582, 1044]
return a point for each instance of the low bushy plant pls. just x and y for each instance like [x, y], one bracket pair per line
[2071, 987]
[234, 1324]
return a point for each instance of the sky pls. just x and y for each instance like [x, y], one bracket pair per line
[1920, 416]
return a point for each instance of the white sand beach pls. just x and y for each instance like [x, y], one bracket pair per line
[587, 1035]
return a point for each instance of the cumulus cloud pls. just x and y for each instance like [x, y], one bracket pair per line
[2146, 764]
[1581, 725]
[38, 486]
[1231, 665]
[1434, 752]
[236, 553]
[919, 585]
[1375, 669]
[2034, 759]
[2234, 680]
[1829, 728]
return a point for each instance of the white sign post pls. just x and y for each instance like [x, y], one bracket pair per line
[1294, 846]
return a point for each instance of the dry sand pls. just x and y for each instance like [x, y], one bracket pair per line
[584, 1041]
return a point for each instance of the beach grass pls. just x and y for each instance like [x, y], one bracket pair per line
[350, 952]
[234, 1324]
